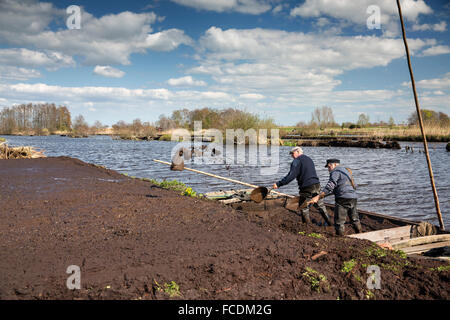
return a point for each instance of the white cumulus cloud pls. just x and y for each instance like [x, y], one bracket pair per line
[108, 71]
[435, 83]
[185, 81]
[242, 6]
[21, 57]
[110, 39]
[440, 27]
[436, 50]
[356, 11]
[276, 62]
[8, 73]
[252, 96]
[167, 40]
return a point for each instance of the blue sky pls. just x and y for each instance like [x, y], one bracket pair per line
[279, 59]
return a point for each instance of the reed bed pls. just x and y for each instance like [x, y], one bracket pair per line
[434, 133]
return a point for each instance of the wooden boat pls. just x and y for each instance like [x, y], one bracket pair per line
[415, 238]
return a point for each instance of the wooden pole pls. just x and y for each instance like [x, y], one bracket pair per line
[419, 114]
[226, 179]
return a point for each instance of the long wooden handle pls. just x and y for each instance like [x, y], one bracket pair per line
[419, 115]
[226, 179]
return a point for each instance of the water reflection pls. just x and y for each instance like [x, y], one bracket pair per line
[388, 181]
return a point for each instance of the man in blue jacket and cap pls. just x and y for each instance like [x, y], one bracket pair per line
[343, 187]
[302, 168]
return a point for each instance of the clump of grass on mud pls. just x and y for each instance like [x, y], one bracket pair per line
[316, 280]
[441, 268]
[376, 252]
[312, 234]
[348, 266]
[315, 235]
[170, 184]
[369, 295]
[400, 253]
[176, 186]
[170, 288]
[396, 264]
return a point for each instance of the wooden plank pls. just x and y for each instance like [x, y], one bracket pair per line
[222, 195]
[425, 247]
[421, 240]
[385, 235]
[232, 200]
[226, 192]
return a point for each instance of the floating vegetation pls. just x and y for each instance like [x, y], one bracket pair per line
[7, 152]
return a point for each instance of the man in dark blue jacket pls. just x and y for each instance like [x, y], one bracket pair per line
[302, 168]
[341, 184]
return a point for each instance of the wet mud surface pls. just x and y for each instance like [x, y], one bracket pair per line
[131, 239]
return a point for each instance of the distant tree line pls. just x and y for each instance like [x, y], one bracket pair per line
[46, 118]
[34, 118]
[230, 118]
[431, 118]
[323, 118]
[135, 129]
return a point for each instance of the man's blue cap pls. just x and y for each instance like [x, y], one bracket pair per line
[332, 161]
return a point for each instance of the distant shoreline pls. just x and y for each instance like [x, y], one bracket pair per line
[287, 138]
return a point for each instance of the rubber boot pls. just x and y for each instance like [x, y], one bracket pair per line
[340, 231]
[358, 227]
[328, 220]
[306, 218]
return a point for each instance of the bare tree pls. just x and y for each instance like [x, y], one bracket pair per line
[363, 120]
[323, 117]
[166, 123]
[39, 118]
[391, 122]
[80, 126]
[96, 128]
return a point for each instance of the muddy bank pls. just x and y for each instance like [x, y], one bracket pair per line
[131, 239]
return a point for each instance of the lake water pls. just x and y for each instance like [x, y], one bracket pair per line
[391, 182]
